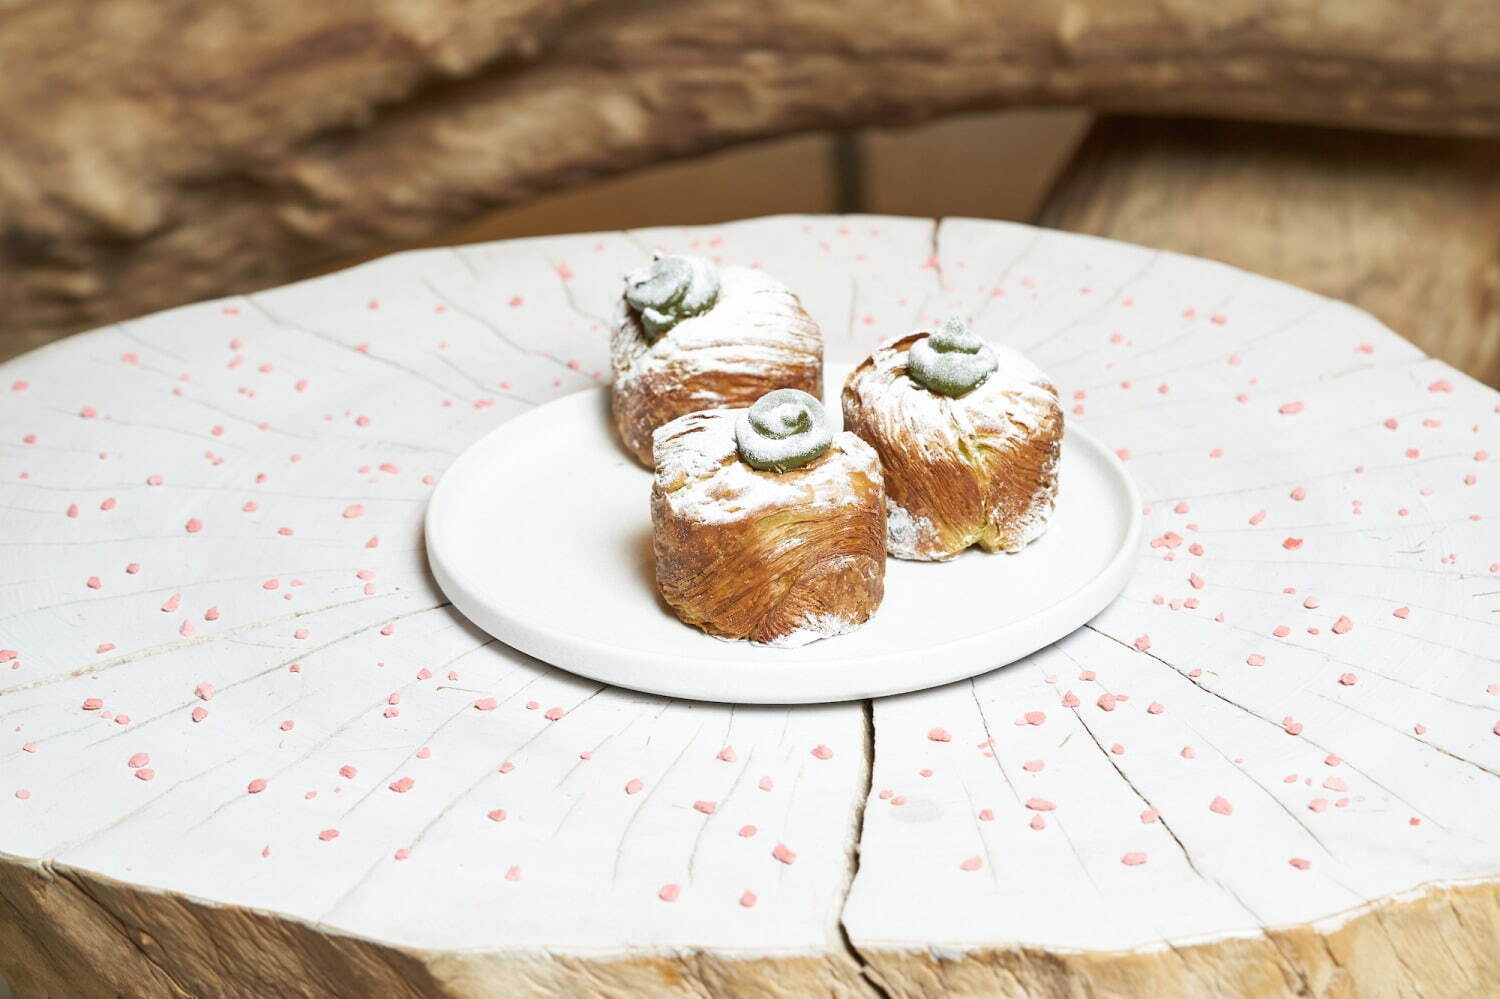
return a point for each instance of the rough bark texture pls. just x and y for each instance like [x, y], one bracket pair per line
[161, 153]
[1401, 226]
[70, 933]
[1440, 943]
[95, 937]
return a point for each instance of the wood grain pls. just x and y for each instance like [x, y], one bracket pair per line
[1401, 226]
[1298, 683]
[277, 138]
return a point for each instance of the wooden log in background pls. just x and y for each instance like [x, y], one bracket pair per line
[1402, 226]
[162, 153]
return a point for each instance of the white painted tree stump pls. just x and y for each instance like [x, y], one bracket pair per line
[249, 750]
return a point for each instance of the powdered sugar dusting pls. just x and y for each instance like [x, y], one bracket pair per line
[827, 626]
[902, 530]
[699, 470]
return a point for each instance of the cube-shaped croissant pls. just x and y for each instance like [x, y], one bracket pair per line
[969, 436]
[780, 539]
[690, 336]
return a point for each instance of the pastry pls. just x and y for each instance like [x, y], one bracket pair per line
[968, 435]
[690, 335]
[766, 525]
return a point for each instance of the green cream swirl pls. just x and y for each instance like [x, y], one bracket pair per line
[671, 289]
[783, 430]
[951, 361]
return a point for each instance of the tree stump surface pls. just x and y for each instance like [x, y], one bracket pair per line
[250, 750]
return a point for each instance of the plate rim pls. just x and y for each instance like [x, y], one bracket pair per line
[543, 643]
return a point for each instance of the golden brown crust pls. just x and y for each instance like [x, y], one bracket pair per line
[980, 469]
[774, 558]
[755, 339]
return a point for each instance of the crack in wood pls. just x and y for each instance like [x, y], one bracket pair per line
[1255, 714]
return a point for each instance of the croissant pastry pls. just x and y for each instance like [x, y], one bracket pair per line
[767, 526]
[690, 335]
[968, 435]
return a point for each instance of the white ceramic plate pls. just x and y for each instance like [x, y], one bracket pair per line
[540, 533]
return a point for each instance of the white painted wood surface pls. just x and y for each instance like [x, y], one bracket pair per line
[230, 495]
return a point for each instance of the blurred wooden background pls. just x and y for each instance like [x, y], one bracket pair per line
[1353, 149]
[991, 164]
